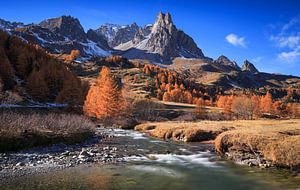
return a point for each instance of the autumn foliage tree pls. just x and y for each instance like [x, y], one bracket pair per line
[266, 103]
[6, 71]
[73, 55]
[200, 104]
[166, 97]
[105, 98]
[37, 86]
[72, 92]
[243, 107]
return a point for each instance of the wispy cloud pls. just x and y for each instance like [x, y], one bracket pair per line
[236, 40]
[287, 40]
[294, 21]
[257, 59]
[290, 56]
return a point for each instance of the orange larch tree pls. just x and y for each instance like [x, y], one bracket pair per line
[37, 86]
[73, 55]
[266, 103]
[105, 98]
[256, 102]
[166, 97]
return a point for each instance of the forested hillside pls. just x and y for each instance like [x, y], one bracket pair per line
[27, 70]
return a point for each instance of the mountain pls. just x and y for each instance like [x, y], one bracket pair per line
[223, 60]
[249, 67]
[6, 25]
[66, 26]
[59, 35]
[163, 44]
[108, 31]
[226, 74]
[117, 34]
[158, 43]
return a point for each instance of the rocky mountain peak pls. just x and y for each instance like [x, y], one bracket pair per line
[134, 25]
[160, 43]
[223, 60]
[168, 19]
[247, 66]
[163, 21]
[66, 26]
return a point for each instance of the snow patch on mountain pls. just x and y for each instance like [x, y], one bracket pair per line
[39, 38]
[92, 48]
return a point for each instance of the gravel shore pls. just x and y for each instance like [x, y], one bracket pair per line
[99, 149]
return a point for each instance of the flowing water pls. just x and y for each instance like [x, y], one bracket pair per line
[155, 164]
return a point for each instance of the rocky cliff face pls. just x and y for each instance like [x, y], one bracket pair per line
[98, 38]
[66, 26]
[117, 34]
[124, 34]
[249, 67]
[163, 44]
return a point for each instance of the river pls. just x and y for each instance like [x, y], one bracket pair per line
[155, 164]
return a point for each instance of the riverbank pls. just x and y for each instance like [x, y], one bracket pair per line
[185, 131]
[262, 143]
[96, 150]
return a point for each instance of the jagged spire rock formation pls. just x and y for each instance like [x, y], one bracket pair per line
[249, 67]
[163, 44]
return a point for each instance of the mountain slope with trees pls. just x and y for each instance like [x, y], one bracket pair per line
[27, 70]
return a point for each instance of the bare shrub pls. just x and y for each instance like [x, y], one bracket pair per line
[18, 131]
[59, 123]
[146, 109]
[10, 97]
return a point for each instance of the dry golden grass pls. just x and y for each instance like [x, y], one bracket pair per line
[277, 141]
[185, 131]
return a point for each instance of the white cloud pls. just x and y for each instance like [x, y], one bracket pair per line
[294, 21]
[287, 40]
[236, 40]
[257, 59]
[290, 56]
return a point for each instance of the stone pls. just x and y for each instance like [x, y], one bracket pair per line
[84, 153]
[20, 164]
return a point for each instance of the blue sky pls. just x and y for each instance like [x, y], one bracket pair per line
[263, 31]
